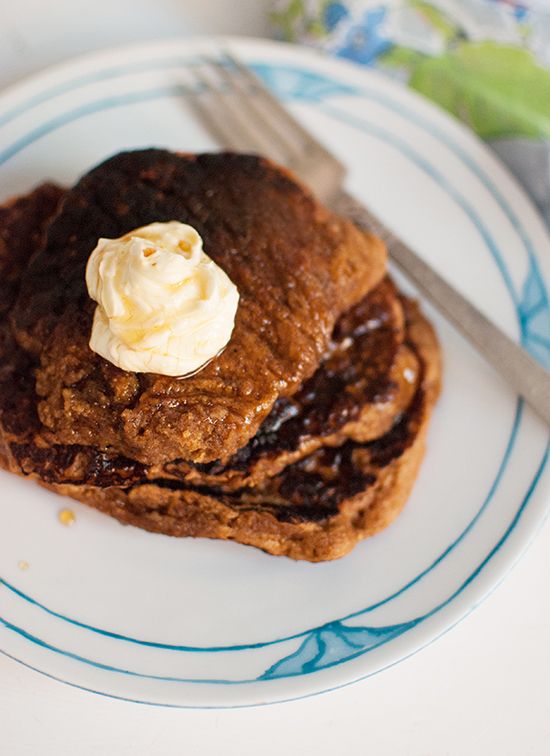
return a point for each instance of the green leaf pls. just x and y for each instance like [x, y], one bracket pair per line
[316, 28]
[401, 57]
[436, 18]
[500, 91]
[286, 19]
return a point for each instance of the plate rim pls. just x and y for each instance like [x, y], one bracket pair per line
[61, 69]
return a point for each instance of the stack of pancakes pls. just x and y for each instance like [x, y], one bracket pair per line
[301, 438]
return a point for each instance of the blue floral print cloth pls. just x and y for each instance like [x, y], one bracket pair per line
[485, 61]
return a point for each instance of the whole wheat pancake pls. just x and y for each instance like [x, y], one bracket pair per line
[337, 451]
[365, 381]
[316, 509]
[296, 265]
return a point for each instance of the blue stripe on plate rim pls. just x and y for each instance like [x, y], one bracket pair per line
[307, 85]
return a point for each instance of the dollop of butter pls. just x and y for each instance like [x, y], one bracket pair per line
[163, 305]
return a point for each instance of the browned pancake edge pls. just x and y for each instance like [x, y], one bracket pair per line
[297, 267]
[318, 519]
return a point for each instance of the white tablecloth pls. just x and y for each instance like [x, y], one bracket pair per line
[483, 688]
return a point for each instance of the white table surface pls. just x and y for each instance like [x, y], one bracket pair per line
[483, 688]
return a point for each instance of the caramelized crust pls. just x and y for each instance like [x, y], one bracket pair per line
[366, 380]
[22, 226]
[362, 387]
[316, 509]
[297, 266]
[338, 449]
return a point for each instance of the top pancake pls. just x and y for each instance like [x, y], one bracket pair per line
[297, 266]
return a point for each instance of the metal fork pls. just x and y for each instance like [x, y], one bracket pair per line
[244, 116]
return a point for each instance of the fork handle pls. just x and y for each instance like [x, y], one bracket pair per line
[521, 371]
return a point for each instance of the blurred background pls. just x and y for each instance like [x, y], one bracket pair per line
[34, 33]
[485, 61]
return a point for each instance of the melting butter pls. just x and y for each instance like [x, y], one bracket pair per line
[163, 305]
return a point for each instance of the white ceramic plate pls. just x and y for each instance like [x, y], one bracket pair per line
[206, 623]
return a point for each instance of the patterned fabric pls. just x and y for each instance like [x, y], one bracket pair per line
[485, 61]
